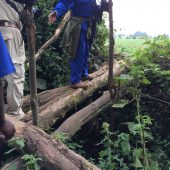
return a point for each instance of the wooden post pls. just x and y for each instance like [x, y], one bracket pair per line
[32, 64]
[7, 129]
[2, 115]
[111, 51]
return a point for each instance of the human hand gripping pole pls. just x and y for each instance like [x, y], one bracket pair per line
[56, 34]
[52, 17]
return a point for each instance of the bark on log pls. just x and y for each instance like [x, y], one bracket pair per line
[76, 121]
[59, 108]
[46, 96]
[55, 155]
[55, 94]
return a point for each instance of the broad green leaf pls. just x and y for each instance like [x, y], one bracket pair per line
[17, 142]
[137, 153]
[165, 73]
[27, 157]
[137, 163]
[103, 153]
[133, 127]
[146, 81]
[125, 147]
[120, 104]
[126, 77]
[154, 165]
[148, 135]
[124, 137]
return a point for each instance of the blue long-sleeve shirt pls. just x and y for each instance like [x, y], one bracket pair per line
[81, 8]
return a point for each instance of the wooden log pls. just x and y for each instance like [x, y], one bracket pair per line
[55, 154]
[51, 99]
[54, 94]
[58, 109]
[46, 96]
[76, 121]
[99, 72]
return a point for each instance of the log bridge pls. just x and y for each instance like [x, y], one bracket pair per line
[53, 106]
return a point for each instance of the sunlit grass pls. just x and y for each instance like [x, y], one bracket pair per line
[128, 46]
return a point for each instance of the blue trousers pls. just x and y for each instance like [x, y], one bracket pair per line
[79, 65]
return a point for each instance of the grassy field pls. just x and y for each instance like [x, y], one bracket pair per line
[128, 46]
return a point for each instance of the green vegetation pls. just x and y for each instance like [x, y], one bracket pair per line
[138, 139]
[30, 160]
[128, 46]
[139, 136]
[145, 144]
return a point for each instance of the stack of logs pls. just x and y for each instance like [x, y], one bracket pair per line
[54, 105]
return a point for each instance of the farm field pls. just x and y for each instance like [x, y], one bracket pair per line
[128, 46]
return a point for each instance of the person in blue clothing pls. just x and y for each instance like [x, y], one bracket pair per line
[77, 36]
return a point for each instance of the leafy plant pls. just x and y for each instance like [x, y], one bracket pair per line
[67, 141]
[108, 157]
[31, 161]
[134, 148]
[16, 143]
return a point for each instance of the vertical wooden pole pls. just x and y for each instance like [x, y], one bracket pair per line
[32, 64]
[111, 50]
[2, 114]
[7, 129]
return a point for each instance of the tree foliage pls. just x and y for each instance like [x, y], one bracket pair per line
[142, 138]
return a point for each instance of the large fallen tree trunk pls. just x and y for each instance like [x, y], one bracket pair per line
[53, 95]
[55, 155]
[77, 120]
[47, 97]
[58, 109]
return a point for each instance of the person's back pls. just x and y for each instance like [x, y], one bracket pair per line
[10, 14]
[10, 27]
[84, 8]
